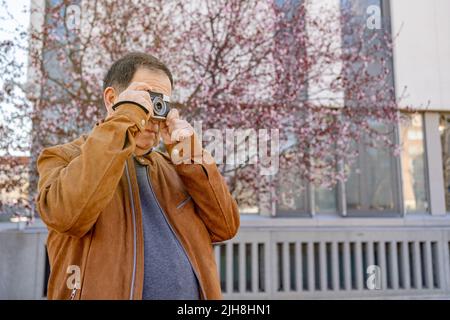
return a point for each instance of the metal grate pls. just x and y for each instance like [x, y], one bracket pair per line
[285, 267]
[241, 267]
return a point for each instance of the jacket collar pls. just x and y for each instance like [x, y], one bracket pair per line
[144, 159]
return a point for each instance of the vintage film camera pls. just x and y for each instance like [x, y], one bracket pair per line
[161, 105]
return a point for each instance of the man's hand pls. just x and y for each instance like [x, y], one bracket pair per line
[137, 92]
[180, 139]
[174, 129]
[149, 137]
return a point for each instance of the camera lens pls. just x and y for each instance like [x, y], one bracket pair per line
[159, 106]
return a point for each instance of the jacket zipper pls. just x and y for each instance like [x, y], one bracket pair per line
[176, 235]
[73, 294]
[183, 202]
[133, 279]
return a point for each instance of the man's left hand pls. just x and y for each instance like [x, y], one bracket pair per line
[180, 139]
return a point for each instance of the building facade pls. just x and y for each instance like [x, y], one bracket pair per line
[384, 233]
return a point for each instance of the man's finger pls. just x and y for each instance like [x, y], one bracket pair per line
[178, 124]
[164, 125]
[172, 115]
[181, 134]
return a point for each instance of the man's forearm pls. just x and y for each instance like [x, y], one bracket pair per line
[216, 207]
[73, 189]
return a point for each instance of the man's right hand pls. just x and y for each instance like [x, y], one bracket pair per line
[137, 92]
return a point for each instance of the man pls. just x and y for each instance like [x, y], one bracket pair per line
[125, 221]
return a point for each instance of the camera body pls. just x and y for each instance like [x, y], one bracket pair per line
[161, 105]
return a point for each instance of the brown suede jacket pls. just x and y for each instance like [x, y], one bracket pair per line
[89, 199]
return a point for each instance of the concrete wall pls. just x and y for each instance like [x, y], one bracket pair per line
[22, 263]
[412, 253]
[422, 52]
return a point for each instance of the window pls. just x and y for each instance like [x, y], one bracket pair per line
[291, 193]
[325, 200]
[374, 185]
[415, 197]
[444, 129]
[56, 42]
[372, 182]
[297, 197]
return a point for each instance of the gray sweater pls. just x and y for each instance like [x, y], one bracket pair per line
[168, 273]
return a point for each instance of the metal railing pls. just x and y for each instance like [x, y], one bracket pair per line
[305, 264]
[286, 262]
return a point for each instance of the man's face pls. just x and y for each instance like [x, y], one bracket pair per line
[157, 80]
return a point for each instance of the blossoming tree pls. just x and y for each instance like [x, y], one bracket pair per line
[317, 74]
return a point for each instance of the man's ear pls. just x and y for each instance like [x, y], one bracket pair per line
[109, 97]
